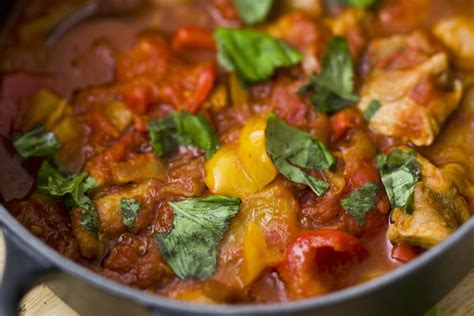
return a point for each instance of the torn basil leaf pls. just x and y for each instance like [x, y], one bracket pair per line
[182, 129]
[400, 171]
[333, 88]
[54, 179]
[360, 202]
[254, 56]
[35, 143]
[190, 248]
[292, 150]
[252, 11]
[364, 3]
[354, 3]
[373, 107]
[129, 209]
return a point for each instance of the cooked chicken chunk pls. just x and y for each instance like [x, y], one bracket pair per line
[110, 214]
[413, 88]
[458, 34]
[438, 207]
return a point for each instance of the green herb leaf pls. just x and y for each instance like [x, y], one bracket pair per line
[364, 3]
[373, 107]
[400, 172]
[129, 209]
[433, 312]
[253, 55]
[333, 88]
[182, 129]
[55, 180]
[354, 3]
[35, 143]
[252, 11]
[199, 225]
[291, 150]
[361, 201]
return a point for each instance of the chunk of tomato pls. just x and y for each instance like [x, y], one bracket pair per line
[192, 37]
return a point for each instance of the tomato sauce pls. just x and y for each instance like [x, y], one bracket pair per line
[108, 77]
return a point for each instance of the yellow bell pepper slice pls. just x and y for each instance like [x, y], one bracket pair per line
[44, 103]
[243, 168]
[119, 114]
[225, 174]
[255, 252]
[253, 154]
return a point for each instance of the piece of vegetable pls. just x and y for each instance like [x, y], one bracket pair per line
[433, 312]
[244, 168]
[274, 209]
[255, 253]
[35, 143]
[55, 180]
[119, 114]
[400, 172]
[254, 56]
[182, 129]
[43, 104]
[364, 3]
[354, 3]
[204, 85]
[361, 201]
[190, 248]
[193, 38]
[225, 174]
[405, 252]
[291, 150]
[333, 88]
[252, 11]
[312, 255]
[252, 152]
[373, 106]
[129, 209]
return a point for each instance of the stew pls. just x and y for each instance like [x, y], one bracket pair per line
[236, 151]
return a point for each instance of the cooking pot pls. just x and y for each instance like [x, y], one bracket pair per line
[410, 290]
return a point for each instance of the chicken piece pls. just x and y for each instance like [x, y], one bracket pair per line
[458, 34]
[399, 52]
[111, 218]
[136, 261]
[415, 102]
[91, 246]
[438, 207]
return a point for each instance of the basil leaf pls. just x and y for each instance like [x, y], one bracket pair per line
[400, 172]
[291, 150]
[252, 11]
[129, 209]
[354, 3]
[55, 180]
[182, 129]
[373, 107]
[433, 312]
[364, 3]
[333, 88]
[253, 55]
[190, 248]
[361, 201]
[35, 143]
